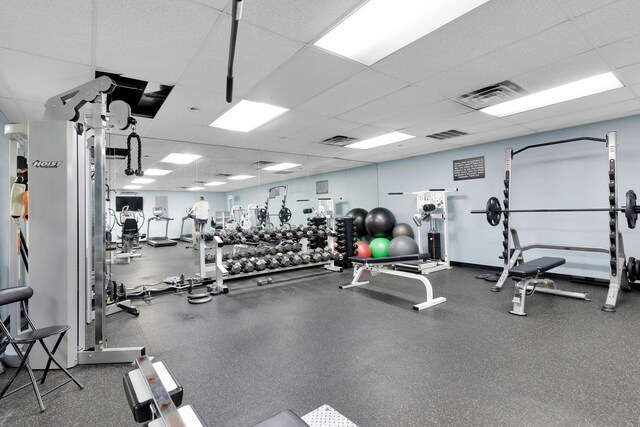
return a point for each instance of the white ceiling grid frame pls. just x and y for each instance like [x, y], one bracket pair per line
[54, 29]
[424, 116]
[360, 89]
[326, 129]
[630, 75]
[258, 53]
[503, 64]
[459, 122]
[290, 123]
[215, 136]
[495, 135]
[216, 4]
[286, 145]
[622, 53]
[621, 18]
[470, 36]
[401, 101]
[165, 33]
[295, 19]
[36, 78]
[12, 111]
[311, 72]
[576, 8]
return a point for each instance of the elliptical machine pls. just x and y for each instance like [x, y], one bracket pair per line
[130, 233]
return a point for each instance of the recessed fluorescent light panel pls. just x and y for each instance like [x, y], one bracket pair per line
[245, 116]
[238, 177]
[143, 181]
[214, 183]
[380, 27]
[132, 187]
[555, 95]
[157, 172]
[195, 188]
[180, 159]
[281, 166]
[378, 141]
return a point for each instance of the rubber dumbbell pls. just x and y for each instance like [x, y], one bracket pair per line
[316, 257]
[326, 256]
[285, 261]
[248, 267]
[273, 263]
[296, 260]
[260, 264]
[273, 250]
[306, 258]
[235, 268]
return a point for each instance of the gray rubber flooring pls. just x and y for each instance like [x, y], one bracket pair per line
[301, 343]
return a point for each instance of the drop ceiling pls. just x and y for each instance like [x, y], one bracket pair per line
[54, 46]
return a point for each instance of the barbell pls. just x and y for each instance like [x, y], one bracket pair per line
[494, 210]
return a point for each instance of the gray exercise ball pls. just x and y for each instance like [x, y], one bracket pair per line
[402, 229]
[403, 245]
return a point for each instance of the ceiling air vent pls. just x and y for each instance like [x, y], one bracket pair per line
[224, 175]
[452, 133]
[491, 95]
[261, 163]
[283, 172]
[338, 141]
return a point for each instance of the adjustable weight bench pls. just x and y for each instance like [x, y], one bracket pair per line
[364, 268]
[527, 280]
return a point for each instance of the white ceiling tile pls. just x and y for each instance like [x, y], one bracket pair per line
[172, 129]
[459, 122]
[401, 101]
[360, 89]
[495, 135]
[611, 23]
[214, 136]
[630, 75]
[491, 26]
[4, 91]
[528, 54]
[295, 19]
[160, 39]
[216, 4]
[621, 109]
[576, 68]
[326, 129]
[181, 99]
[622, 53]
[425, 115]
[11, 110]
[308, 74]
[291, 122]
[54, 29]
[36, 78]
[488, 125]
[578, 7]
[296, 146]
[592, 101]
[636, 90]
[33, 110]
[258, 53]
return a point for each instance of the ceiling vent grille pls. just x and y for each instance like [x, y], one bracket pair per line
[261, 163]
[451, 133]
[283, 172]
[491, 95]
[338, 141]
[224, 175]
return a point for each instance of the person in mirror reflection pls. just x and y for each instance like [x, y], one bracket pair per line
[200, 214]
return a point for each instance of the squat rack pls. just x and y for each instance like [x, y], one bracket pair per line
[511, 255]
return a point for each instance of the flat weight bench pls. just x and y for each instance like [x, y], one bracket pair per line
[527, 280]
[364, 268]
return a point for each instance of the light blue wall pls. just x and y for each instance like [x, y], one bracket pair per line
[567, 176]
[179, 201]
[349, 188]
[4, 207]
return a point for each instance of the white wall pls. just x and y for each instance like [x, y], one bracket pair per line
[7, 224]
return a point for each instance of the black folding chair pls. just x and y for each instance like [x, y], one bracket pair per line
[22, 294]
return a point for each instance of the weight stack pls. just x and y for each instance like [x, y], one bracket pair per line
[345, 232]
[434, 245]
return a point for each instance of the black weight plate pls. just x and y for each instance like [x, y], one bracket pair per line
[630, 209]
[631, 271]
[494, 211]
[284, 215]
[636, 269]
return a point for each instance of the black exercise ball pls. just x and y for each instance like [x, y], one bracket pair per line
[403, 245]
[380, 222]
[402, 229]
[358, 215]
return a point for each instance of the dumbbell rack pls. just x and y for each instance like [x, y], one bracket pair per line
[221, 273]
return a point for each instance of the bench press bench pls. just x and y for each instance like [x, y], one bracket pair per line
[527, 277]
[364, 268]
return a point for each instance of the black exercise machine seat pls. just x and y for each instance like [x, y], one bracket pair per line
[391, 259]
[536, 266]
[286, 418]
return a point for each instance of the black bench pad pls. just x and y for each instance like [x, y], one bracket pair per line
[391, 259]
[536, 266]
[286, 418]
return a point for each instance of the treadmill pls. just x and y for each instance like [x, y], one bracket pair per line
[185, 237]
[163, 240]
